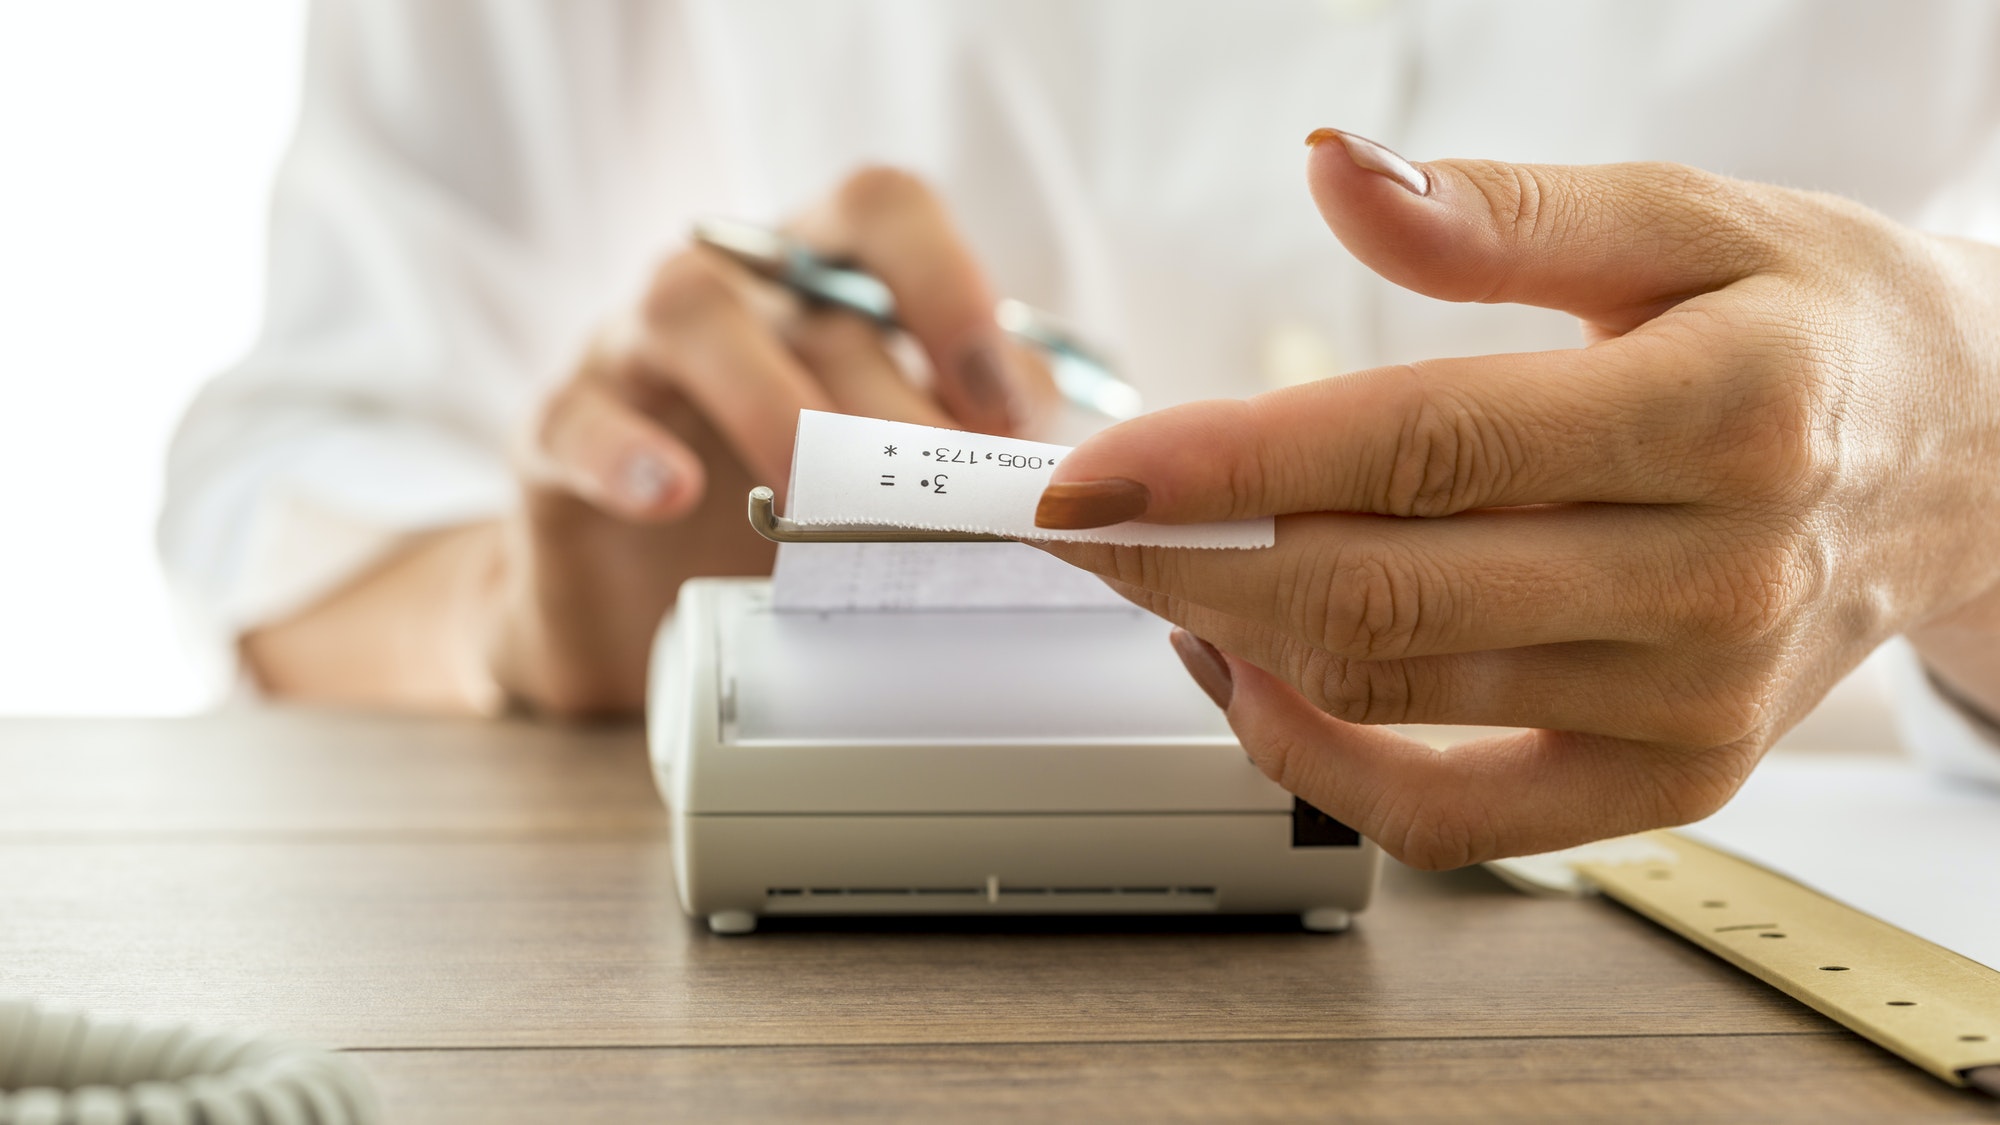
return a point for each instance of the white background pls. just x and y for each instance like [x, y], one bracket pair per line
[137, 141]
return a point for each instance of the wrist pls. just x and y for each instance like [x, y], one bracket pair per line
[394, 637]
[472, 610]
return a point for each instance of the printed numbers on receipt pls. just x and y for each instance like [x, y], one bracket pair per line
[850, 470]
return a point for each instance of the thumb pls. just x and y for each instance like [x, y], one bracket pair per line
[1614, 244]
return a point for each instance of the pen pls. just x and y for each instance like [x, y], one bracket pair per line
[1081, 372]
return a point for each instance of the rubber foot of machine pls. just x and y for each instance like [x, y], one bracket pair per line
[1326, 920]
[732, 922]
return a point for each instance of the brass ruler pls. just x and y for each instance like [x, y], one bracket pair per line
[1933, 1007]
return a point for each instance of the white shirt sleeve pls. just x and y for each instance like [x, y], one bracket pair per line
[1934, 728]
[436, 260]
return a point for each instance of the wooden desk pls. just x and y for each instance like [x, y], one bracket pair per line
[485, 915]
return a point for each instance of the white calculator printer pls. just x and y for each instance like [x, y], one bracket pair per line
[900, 728]
[835, 756]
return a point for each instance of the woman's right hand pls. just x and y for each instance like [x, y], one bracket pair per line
[638, 464]
[635, 471]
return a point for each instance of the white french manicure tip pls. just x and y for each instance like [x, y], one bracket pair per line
[645, 479]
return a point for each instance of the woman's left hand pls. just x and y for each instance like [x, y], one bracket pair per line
[1780, 446]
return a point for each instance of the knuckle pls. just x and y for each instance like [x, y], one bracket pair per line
[1736, 230]
[1770, 444]
[688, 287]
[1251, 482]
[1518, 208]
[1735, 713]
[824, 338]
[1448, 455]
[881, 189]
[1367, 692]
[1237, 437]
[1750, 595]
[1694, 785]
[1675, 208]
[1725, 702]
[1522, 203]
[1431, 842]
[1369, 605]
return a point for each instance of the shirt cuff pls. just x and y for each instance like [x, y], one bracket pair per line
[1936, 729]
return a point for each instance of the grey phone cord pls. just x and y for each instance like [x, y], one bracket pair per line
[62, 1067]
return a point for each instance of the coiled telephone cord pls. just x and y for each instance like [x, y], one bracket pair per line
[62, 1067]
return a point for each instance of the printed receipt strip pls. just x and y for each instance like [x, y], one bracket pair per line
[868, 471]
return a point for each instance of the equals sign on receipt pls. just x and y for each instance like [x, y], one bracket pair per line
[888, 480]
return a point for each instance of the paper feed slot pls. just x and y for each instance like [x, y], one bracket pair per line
[955, 677]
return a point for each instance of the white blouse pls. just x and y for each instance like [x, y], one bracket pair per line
[473, 186]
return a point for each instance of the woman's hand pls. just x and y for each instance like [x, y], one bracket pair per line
[638, 464]
[1780, 446]
[643, 458]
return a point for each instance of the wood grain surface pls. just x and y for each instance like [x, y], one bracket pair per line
[486, 914]
[1807, 1079]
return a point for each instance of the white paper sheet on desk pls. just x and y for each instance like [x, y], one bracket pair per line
[850, 470]
[1889, 837]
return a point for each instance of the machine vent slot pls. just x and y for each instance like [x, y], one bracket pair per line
[980, 892]
[1121, 892]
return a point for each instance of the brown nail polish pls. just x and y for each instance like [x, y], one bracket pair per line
[1091, 503]
[1377, 158]
[1206, 665]
[982, 371]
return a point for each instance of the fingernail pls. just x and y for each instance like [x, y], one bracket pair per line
[645, 479]
[1206, 665]
[1091, 503]
[1379, 159]
[989, 383]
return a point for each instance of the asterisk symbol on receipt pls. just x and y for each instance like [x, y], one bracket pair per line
[889, 449]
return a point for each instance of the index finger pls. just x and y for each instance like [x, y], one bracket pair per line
[698, 335]
[895, 227]
[1609, 423]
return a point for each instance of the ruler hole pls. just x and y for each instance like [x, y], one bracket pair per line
[1902, 1003]
[1770, 935]
[1715, 904]
[1833, 968]
[1972, 1039]
[1659, 873]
